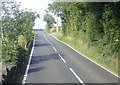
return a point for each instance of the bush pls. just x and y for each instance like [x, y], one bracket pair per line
[22, 41]
[52, 30]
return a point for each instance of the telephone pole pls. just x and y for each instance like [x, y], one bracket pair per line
[57, 28]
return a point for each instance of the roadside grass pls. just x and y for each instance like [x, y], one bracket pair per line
[82, 46]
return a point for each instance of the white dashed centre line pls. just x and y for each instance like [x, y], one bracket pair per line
[47, 39]
[76, 76]
[54, 48]
[62, 58]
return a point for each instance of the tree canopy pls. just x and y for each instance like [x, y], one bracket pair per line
[99, 23]
[48, 18]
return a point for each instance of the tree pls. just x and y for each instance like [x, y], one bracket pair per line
[17, 27]
[49, 19]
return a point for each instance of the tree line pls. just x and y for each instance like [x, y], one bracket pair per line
[97, 23]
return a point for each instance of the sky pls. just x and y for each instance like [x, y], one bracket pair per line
[39, 6]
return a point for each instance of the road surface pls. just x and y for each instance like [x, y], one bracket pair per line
[54, 62]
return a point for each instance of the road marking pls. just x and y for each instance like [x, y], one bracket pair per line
[28, 65]
[50, 43]
[46, 39]
[54, 48]
[62, 58]
[87, 57]
[76, 76]
[24, 79]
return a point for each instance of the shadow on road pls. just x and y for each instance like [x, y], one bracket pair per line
[37, 45]
[36, 60]
[39, 59]
[32, 70]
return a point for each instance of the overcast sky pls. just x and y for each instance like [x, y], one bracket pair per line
[39, 6]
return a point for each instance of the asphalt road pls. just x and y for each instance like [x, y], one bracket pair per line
[54, 62]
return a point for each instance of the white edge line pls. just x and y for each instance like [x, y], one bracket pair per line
[54, 48]
[28, 65]
[62, 58]
[86, 57]
[80, 80]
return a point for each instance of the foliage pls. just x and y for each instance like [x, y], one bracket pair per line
[97, 23]
[53, 30]
[0, 49]
[22, 41]
[17, 27]
[49, 19]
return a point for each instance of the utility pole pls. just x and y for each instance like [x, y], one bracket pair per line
[57, 28]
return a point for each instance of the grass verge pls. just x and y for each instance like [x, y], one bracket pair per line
[82, 46]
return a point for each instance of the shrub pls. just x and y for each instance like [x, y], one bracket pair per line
[22, 41]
